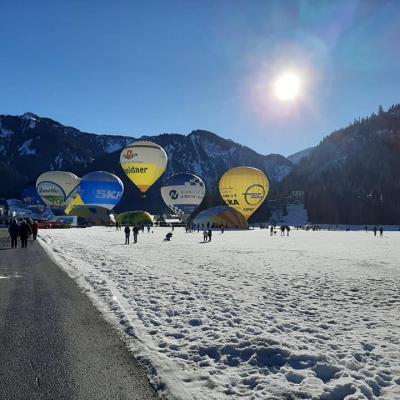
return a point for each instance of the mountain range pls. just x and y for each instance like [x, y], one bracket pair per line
[30, 145]
[352, 176]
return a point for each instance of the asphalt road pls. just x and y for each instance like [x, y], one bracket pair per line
[54, 344]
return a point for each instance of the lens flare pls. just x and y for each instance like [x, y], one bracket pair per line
[287, 86]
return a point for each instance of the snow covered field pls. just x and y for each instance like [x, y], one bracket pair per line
[312, 316]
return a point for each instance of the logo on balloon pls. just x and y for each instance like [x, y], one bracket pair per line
[173, 194]
[254, 194]
[108, 194]
[129, 154]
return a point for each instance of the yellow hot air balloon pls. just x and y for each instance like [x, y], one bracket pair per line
[144, 162]
[244, 189]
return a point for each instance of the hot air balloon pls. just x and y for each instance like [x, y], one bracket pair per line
[143, 162]
[31, 198]
[183, 193]
[134, 218]
[101, 189]
[244, 189]
[93, 214]
[221, 215]
[57, 189]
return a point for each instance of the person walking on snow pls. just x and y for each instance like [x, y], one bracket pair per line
[209, 234]
[381, 231]
[135, 233]
[13, 230]
[35, 229]
[127, 231]
[24, 232]
[375, 229]
[205, 235]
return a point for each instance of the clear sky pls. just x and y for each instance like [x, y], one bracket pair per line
[147, 67]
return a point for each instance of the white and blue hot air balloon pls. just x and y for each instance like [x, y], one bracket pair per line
[57, 189]
[102, 189]
[183, 193]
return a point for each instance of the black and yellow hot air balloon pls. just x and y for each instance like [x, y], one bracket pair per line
[244, 189]
[143, 162]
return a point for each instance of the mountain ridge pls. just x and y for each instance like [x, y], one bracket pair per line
[351, 177]
[25, 139]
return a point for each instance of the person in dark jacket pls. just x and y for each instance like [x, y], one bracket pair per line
[24, 232]
[168, 236]
[127, 231]
[13, 230]
[135, 231]
[35, 229]
[209, 235]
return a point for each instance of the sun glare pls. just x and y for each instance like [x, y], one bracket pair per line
[287, 86]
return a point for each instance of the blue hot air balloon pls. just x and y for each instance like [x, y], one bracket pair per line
[101, 189]
[31, 198]
[183, 193]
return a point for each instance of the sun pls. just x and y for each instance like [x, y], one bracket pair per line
[287, 86]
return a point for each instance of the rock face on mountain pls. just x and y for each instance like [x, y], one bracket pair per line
[353, 175]
[30, 145]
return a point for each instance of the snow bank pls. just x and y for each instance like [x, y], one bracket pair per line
[310, 316]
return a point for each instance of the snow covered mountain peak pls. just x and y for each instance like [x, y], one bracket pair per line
[29, 115]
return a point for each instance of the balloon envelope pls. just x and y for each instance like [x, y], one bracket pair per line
[93, 214]
[134, 218]
[31, 198]
[57, 188]
[101, 188]
[244, 189]
[183, 193]
[143, 162]
[221, 215]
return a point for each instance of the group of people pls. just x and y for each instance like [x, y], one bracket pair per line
[135, 232]
[191, 228]
[375, 229]
[22, 230]
[283, 229]
[207, 235]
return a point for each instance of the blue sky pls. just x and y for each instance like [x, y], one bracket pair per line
[142, 68]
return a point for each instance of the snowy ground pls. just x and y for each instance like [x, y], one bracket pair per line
[312, 316]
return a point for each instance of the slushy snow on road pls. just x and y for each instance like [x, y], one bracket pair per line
[311, 316]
